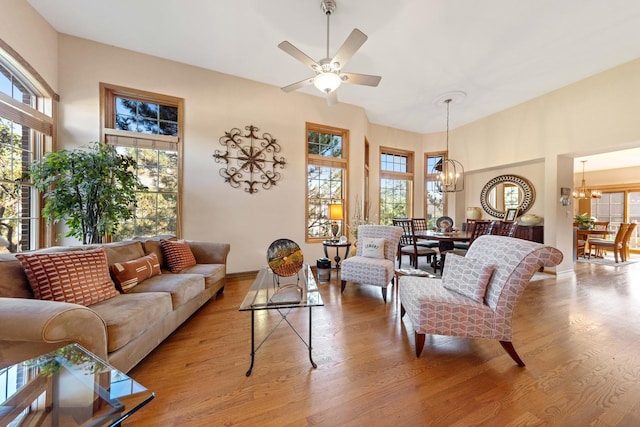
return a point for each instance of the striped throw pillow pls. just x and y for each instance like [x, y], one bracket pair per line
[177, 254]
[80, 277]
[128, 274]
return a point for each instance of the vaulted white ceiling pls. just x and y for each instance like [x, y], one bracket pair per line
[500, 52]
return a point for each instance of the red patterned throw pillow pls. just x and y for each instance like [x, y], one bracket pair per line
[131, 273]
[80, 277]
[177, 255]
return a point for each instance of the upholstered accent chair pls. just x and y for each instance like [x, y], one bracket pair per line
[369, 266]
[478, 292]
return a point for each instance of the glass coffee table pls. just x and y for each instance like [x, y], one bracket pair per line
[272, 292]
[68, 387]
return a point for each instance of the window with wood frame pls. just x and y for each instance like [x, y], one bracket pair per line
[327, 166]
[396, 184]
[26, 133]
[434, 200]
[148, 127]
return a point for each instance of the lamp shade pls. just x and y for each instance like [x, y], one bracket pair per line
[327, 82]
[336, 212]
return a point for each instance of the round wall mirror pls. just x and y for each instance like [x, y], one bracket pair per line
[507, 192]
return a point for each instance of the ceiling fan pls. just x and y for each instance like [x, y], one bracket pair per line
[329, 74]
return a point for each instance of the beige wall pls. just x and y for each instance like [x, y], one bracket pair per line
[22, 28]
[536, 139]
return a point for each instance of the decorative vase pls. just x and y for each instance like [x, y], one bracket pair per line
[474, 212]
[530, 219]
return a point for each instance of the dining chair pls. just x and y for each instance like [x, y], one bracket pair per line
[598, 225]
[477, 294]
[616, 245]
[408, 244]
[420, 224]
[374, 262]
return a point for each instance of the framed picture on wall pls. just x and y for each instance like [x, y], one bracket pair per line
[511, 215]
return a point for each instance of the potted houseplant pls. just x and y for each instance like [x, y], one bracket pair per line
[584, 221]
[93, 189]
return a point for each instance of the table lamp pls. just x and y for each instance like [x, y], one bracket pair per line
[335, 214]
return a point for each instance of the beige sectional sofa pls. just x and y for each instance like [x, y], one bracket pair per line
[122, 329]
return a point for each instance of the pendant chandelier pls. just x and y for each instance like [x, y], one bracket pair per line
[583, 192]
[450, 172]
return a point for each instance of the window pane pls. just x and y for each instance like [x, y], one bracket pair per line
[324, 144]
[393, 163]
[393, 200]
[325, 186]
[145, 117]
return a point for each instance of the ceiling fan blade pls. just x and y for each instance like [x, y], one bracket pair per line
[298, 85]
[361, 79]
[299, 55]
[332, 98]
[349, 47]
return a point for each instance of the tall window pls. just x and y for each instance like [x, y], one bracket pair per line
[147, 127]
[327, 149]
[26, 128]
[434, 201]
[396, 184]
[618, 207]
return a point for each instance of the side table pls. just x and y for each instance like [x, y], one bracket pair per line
[335, 244]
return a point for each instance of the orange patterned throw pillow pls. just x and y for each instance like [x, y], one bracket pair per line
[177, 255]
[80, 277]
[131, 273]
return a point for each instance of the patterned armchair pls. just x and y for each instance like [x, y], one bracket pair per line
[368, 268]
[477, 293]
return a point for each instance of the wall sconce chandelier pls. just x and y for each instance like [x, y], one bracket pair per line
[450, 172]
[251, 163]
[583, 192]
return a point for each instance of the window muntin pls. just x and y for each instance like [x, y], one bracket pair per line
[618, 207]
[396, 184]
[147, 127]
[326, 177]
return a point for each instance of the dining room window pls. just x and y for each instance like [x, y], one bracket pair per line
[434, 200]
[396, 184]
[618, 207]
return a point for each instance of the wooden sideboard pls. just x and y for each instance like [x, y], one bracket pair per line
[535, 233]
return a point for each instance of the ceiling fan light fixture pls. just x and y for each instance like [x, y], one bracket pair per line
[327, 82]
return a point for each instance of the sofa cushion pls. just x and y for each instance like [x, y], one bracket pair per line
[128, 274]
[80, 277]
[212, 273]
[13, 281]
[177, 255]
[182, 287]
[468, 277]
[123, 251]
[129, 315]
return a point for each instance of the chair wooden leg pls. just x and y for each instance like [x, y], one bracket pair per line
[508, 347]
[419, 343]
[343, 284]
[384, 294]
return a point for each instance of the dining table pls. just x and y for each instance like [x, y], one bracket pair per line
[445, 240]
[584, 235]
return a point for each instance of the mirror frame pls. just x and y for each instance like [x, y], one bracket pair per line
[527, 188]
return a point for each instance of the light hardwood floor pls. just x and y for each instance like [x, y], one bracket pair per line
[578, 335]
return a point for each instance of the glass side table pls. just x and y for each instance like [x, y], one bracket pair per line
[68, 387]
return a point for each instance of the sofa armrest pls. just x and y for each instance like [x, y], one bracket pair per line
[209, 252]
[31, 322]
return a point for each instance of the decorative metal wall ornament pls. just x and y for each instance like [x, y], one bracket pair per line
[255, 162]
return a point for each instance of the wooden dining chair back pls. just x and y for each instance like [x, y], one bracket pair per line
[616, 245]
[408, 244]
[420, 225]
[502, 228]
[479, 228]
[626, 239]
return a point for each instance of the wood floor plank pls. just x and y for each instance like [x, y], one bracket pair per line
[577, 334]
